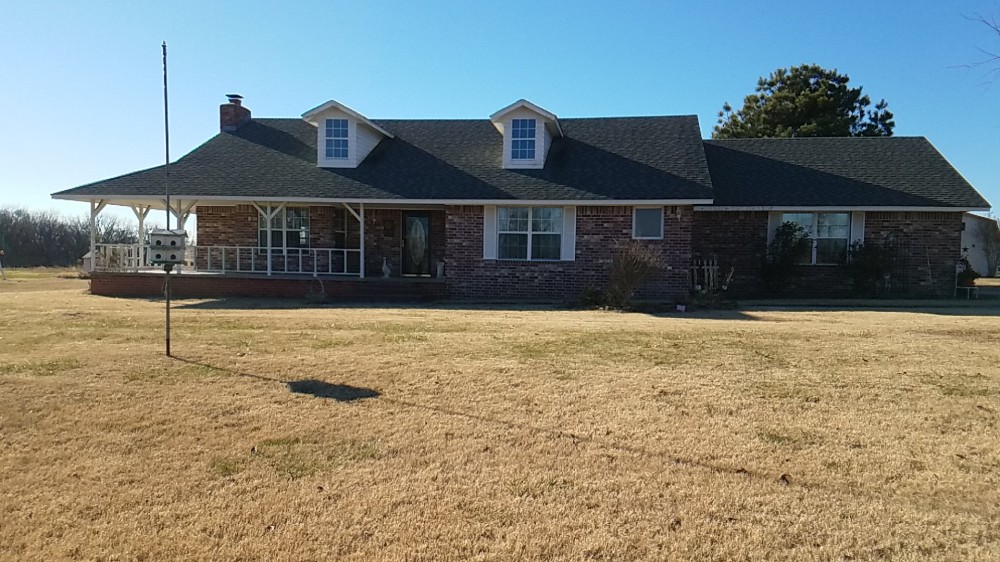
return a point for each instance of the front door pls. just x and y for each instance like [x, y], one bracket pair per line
[416, 243]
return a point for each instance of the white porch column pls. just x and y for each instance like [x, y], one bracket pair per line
[140, 214]
[360, 216]
[269, 214]
[361, 265]
[95, 208]
[181, 211]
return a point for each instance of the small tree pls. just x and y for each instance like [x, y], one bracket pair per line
[789, 248]
[869, 264]
[632, 264]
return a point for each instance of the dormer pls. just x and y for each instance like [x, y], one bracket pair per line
[344, 137]
[527, 132]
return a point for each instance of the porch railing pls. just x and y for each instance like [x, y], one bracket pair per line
[119, 257]
[254, 259]
[236, 259]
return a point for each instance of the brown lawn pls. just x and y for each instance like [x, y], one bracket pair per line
[492, 435]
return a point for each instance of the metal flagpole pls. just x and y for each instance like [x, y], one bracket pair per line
[166, 187]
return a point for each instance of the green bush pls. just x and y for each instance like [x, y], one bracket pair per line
[789, 248]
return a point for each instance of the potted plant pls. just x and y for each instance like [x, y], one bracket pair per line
[966, 274]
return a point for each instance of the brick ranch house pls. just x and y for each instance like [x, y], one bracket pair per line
[525, 205]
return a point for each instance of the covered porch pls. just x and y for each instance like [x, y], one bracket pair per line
[281, 242]
[286, 238]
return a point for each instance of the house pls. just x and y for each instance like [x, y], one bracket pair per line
[981, 243]
[525, 204]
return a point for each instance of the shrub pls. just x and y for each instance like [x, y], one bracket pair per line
[632, 264]
[786, 251]
[869, 265]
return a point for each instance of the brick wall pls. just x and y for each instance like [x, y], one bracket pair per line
[597, 229]
[736, 239]
[227, 226]
[928, 245]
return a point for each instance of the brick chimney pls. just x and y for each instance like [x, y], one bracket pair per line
[233, 115]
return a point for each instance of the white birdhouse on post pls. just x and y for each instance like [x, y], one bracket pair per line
[166, 247]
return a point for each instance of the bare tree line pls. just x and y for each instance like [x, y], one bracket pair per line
[44, 238]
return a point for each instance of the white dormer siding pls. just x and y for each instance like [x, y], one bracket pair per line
[546, 127]
[362, 135]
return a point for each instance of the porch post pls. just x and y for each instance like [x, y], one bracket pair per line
[95, 208]
[268, 216]
[361, 265]
[140, 213]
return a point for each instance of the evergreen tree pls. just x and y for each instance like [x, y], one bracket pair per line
[805, 101]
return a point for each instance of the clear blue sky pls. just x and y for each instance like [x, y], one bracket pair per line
[81, 98]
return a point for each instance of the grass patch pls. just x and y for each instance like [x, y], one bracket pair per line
[41, 368]
[497, 434]
[297, 457]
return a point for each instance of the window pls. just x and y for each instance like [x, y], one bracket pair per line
[289, 229]
[829, 232]
[336, 138]
[647, 223]
[522, 147]
[529, 233]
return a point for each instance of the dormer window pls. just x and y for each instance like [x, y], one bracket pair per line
[336, 138]
[528, 132]
[523, 139]
[344, 137]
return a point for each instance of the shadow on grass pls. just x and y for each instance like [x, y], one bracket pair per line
[338, 392]
[312, 387]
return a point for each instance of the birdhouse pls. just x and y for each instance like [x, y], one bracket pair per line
[167, 246]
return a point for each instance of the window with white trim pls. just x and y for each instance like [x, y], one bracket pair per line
[522, 145]
[289, 229]
[647, 223]
[830, 233]
[336, 138]
[529, 233]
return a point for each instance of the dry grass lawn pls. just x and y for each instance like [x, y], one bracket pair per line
[286, 433]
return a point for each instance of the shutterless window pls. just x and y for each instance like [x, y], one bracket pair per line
[522, 131]
[289, 229]
[647, 223]
[336, 138]
[529, 233]
[830, 233]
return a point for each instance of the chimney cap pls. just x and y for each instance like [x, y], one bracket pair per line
[234, 98]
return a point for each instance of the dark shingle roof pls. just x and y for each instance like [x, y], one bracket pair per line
[860, 172]
[597, 159]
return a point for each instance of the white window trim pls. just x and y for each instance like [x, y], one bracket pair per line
[663, 221]
[530, 233]
[347, 138]
[814, 238]
[491, 236]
